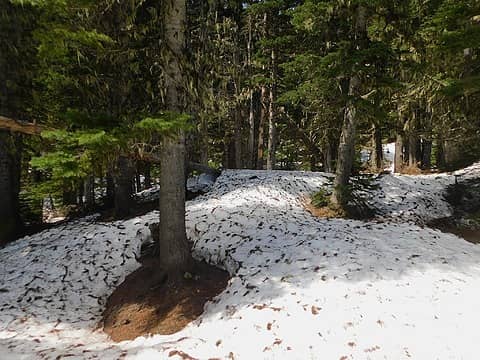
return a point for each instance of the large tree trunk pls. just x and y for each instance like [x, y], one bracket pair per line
[346, 149]
[412, 150]
[10, 156]
[123, 180]
[175, 257]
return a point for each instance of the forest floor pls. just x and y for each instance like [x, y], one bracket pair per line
[300, 287]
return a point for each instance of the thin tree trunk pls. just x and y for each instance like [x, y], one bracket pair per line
[263, 110]
[147, 169]
[261, 128]
[238, 138]
[89, 186]
[175, 257]
[251, 139]
[237, 80]
[377, 152]
[80, 194]
[327, 158]
[398, 159]
[272, 126]
[251, 118]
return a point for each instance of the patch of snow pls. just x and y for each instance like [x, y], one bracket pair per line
[301, 287]
[149, 194]
[389, 156]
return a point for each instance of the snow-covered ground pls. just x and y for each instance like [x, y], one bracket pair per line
[301, 287]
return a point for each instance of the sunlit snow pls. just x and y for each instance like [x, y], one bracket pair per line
[301, 287]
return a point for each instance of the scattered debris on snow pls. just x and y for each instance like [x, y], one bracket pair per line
[301, 287]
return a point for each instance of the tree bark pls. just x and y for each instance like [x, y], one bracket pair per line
[251, 116]
[251, 138]
[412, 150]
[89, 185]
[426, 154]
[175, 257]
[327, 158]
[138, 183]
[123, 177]
[110, 185]
[376, 160]
[10, 160]
[398, 159]
[20, 126]
[346, 149]
[261, 128]
[147, 169]
[238, 138]
[272, 126]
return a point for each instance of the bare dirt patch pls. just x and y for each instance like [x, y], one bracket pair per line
[321, 212]
[143, 304]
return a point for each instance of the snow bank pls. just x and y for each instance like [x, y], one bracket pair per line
[301, 287]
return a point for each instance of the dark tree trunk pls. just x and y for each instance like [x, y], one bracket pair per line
[252, 154]
[272, 126]
[80, 194]
[89, 186]
[377, 152]
[251, 137]
[398, 160]
[314, 161]
[440, 155]
[123, 177]
[69, 196]
[147, 184]
[138, 183]
[110, 187]
[175, 257]
[261, 128]
[426, 154]
[238, 138]
[10, 161]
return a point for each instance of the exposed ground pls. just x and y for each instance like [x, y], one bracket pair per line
[301, 287]
[145, 304]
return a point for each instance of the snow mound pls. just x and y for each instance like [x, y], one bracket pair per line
[301, 287]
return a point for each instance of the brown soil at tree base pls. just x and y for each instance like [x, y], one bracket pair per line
[143, 304]
[322, 212]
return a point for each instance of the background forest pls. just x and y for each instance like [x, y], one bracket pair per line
[86, 102]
